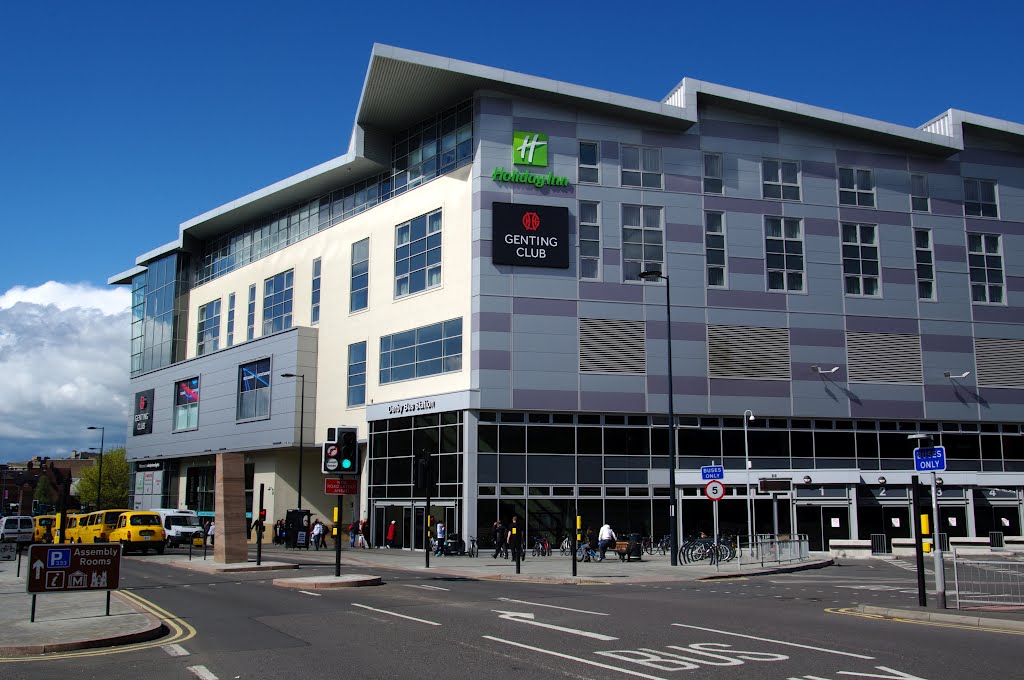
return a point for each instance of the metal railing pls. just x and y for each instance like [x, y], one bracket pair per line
[880, 545]
[770, 549]
[995, 539]
[985, 584]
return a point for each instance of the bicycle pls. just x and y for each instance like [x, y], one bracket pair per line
[664, 545]
[566, 548]
[474, 550]
[585, 552]
[541, 547]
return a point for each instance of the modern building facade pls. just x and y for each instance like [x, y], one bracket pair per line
[465, 281]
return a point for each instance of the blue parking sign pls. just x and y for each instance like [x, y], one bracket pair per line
[930, 459]
[58, 558]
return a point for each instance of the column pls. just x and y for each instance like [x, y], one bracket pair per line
[229, 499]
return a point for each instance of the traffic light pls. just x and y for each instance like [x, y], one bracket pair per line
[348, 451]
[263, 515]
[421, 469]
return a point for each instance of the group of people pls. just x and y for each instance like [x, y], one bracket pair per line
[358, 532]
[508, 540]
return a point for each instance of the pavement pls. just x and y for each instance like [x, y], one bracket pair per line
[69, 621]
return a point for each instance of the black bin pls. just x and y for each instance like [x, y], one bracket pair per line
[636, 546]
[296, 525]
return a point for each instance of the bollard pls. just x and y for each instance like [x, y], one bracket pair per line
[518, 549]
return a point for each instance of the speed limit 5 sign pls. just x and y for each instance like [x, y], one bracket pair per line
[715, 490]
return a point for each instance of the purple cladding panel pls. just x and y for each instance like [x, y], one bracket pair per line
[746, 265]
[684, 233]
[746, 299]
[989, 226]
[496, 322]
[1015, 284]
[881, 324]
[675, 140]
[963, 344]
[494, 360]
[613, 402]
[749, 388]
[743, 205]
[544, 307]
[871, 160]
[901, 276]
[933, 166]
[612, 292]
[1002, 395]
[691, 385]
[686, 184]
[681, 330]
[818, 226]
[553, 128]
[942, 206]
[847, 214]
[552, 191]
[888, 409]
[944, 253]
[495, 107]
[610, 256]
[710, 127]
[481, 248]
[545, 400]
[609, 151]
[998, 313]
[818, 169]
[482, 200]
[992, 157]
[817, 337]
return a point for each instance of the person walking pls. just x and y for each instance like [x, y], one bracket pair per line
[499, 538]
[353, 532]
[439, 535]
[364, 533]
[210, 530]
[392, 531]
[318, 531]
[605, 537]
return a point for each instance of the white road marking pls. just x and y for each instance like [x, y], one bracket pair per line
[306, 592]
[777, 642]
[201, 672]
[401, 616]
[575, 658]
[424, 585]
[524, 617]
[175, 650]
[538, 604]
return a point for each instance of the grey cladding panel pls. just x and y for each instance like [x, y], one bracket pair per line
[748, 352]
[884, 357]
[612, 346]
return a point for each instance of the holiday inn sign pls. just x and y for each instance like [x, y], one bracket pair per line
[530, 149]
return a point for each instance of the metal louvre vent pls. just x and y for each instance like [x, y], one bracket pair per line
[1000, 362]
[883, 358]
[748, 352]
[612, 346]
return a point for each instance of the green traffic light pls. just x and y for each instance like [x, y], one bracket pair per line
[346, 463]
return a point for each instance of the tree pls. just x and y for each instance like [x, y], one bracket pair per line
[116, 475]
[44, 489]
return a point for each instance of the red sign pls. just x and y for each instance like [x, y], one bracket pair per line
[334, 486]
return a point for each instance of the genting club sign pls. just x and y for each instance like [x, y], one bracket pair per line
[530, 235]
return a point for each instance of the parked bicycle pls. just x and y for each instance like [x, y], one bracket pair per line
[474, 549]
[541, 547]
[566, 548]
[700, 549]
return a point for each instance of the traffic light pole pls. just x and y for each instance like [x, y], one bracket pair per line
[915, 487]
[426, 518]
[259, 530]
[337, 537]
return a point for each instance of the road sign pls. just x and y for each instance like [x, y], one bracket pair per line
[712, 472]
[96, 566]
[330, 458]
[335, 486]
[930, 459]
[715, 490]
[8, 551]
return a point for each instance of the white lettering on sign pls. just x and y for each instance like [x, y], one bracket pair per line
[694, 656]
[411, 407]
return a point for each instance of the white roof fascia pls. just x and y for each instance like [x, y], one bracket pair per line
[159, 251]
[125, 276]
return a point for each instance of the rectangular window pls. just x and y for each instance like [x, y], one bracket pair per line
[314, 315]
[980, 198]
[589, 170]
[714, 247]
[780, 179]
[641, 167]
[186, 404]
[712, 173]
[424, 351]
[208, 329]
[277, 303]
[357, 374]
[919, 193]
[985, 258]
[254, 390]
[924, 259]
[250, 328]
[590, 240]
[418, 254]
[856, 187]
[231, 319]
[642, 240]
[860, 259]
[359, 287]
[784, 253]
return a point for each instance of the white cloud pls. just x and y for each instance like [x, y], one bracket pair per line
[64, 361]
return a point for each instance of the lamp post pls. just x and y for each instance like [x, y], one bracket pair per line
[302, 429]
[747, 416]
[654, 275]
[99, 482]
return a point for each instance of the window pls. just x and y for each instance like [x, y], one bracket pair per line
[919, 193]
[314, 315]
[642, 248]
[860, 259]
[424, 351]
[231, 319]
[923, 258]
[360, 283]
[418, 254]
[186, 404]
[589, 170]
[254, 390]
[277, 303]
[780, 179]
[856, 187]
[712, 173]
[590, 240]
[784, 253]
[208, 330]
[980, 198]
[984, 256]
[250, 328]
[714, 247]
[357, 374]
[641, 167]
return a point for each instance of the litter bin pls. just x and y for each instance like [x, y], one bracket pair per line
[636, 546]
[296, 525]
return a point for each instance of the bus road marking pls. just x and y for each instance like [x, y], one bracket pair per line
[776, 642]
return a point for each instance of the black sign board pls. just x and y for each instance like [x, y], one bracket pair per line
[149, 466]
[774, 485]
[143, 421]
[73, 567]
[530, 235]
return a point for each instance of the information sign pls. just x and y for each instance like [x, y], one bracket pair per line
[930, 458]
[709, 472]
[74, 567]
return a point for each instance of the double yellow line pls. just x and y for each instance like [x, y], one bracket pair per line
[850, 611]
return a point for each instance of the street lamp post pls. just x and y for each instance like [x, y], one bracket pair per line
[99, 482]
[748, 415]
[302, 429]
[654, 275]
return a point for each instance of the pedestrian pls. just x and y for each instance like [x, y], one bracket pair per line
[364, 533]
[515, 538]
[353, 531]
[210, 531]
[318, 530]
[499, 538]
[279, 532]
[392, 530]
[605, 538]
[439, 535]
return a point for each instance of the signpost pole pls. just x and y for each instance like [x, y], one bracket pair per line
[715, 546]
[108, 603]
[337, 537]
[575, 544]
[915, 487]
[940, 569]
[32, 616]
[259, 531]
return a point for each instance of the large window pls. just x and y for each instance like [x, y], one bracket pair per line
[231, 319]
[418, 254]
[357, 374]
[250, 326]
[860, 259]
[923, 258]
[784, 253]
[712, 173]
[780, 179]
[985, 257]
[714, 246]
[360, 280]
[424, 351]
[208, 329]
[641, 167]
[589, 169]
[590, 240]
[277, 303]
[254, 390]
[856, 187]
[980, 198]
[642, 240]
[314, 313]
[919, 193]
[186, 404]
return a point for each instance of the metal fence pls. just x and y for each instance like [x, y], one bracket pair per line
[880, 544]
[768, 549]
[987, 584]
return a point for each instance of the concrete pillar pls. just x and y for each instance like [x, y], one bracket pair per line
[229, 498]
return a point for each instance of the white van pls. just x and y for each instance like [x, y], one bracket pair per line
[16, 529]
[180, 526]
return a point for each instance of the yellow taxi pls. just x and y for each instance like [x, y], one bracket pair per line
[70, 528]
[43, 531]
[139, 530]
[97, 526]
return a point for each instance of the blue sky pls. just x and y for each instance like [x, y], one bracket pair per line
[121, 120]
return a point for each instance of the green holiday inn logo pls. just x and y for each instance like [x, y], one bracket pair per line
[530, 148]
